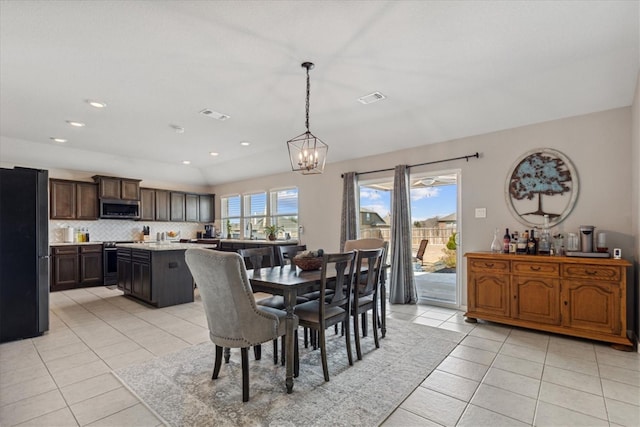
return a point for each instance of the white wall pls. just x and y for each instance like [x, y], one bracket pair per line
[598, 144]
[635, 192]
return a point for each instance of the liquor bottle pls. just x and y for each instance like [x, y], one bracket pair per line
[514, 243]
[506, 241]
[532, 244]
[521, 246]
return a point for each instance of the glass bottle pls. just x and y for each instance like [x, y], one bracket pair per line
[544, 246]
[496, 243]
[506, 241]
[521, 246]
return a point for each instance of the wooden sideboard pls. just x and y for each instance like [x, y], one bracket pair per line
[582, 297]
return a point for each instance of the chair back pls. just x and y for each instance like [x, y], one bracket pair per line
[287, 252]
[343, 265]
[351, 245]
[233, 318]
[256, 257]
[422, 248]
[366, 283]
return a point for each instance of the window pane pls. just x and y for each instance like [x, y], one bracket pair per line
[230, 206]
[284, 202]
[255, 204]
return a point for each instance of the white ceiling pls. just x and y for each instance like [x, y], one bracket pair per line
[448, 69]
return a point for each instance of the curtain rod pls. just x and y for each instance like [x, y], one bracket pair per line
[476, 155]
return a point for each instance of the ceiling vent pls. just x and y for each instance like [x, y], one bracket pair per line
[371, 98]
[214, 115]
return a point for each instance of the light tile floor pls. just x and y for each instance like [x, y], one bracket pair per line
[496, 376]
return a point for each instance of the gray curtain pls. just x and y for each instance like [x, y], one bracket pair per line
[402, 285]
[349, 225]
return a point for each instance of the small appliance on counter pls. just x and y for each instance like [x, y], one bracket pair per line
[209, 231]
[587, 234]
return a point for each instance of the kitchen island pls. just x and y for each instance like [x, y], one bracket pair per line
[156, 273]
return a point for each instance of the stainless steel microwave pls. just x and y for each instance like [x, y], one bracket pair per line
[119, 209]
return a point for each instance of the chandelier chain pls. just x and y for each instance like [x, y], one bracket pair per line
[307, 105]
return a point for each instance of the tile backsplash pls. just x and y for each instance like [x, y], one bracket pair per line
[121, 230]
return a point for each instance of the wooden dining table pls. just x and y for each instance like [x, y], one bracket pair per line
[290, 281]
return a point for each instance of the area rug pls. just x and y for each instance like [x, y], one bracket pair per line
[179, 388]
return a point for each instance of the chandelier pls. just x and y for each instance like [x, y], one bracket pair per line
[307, 152]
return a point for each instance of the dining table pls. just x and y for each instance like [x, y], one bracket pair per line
[290, 281]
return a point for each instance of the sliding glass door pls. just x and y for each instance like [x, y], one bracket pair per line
[435, 225]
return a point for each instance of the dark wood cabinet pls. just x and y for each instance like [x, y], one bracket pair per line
[162, 205]
[124, 270]
[76, 266]
[73, 200]
[207, 207]
[191, 207]
[177, 212]
[118, 188]
[147, 204]
[583, 297]
[86, 200]
[141, 275]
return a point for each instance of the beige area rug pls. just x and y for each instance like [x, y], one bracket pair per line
[179, 388]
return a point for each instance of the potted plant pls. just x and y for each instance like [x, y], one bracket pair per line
[272, 230]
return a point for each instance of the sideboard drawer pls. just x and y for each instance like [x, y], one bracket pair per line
[501, 266]
[588, 271]
[536, 268]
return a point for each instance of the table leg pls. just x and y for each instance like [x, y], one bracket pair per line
[289, 301]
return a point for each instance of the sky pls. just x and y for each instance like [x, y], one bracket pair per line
[426, 202]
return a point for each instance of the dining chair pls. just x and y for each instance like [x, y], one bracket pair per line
[286, 253]
[329, 310]
[365, 292]
[256, 259]
[368, 243]
[234, 319]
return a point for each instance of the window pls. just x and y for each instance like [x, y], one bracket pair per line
[230, 216]
[284, 210]
[255, 214]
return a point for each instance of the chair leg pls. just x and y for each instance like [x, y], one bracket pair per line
[364, 324]
[283, 349]
[245, 374]
[348, 340]
[257, 351]
[306, 337]
[227, 354]
[217, 362]
[275, 352]
[375, 326]
[296, 359]
[323, 353]
[356, 334]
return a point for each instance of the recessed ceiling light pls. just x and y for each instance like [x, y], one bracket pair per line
[214, 114]
[245, 143]
[76, 124]
[186, 162]
[60, 140]
[178, 129]
[96, 104]
[213, 153]
[371, 98]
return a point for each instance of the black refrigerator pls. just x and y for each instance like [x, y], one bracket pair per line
[24, 253]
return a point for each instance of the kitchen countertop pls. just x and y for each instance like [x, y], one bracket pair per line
[73, 244]
[261, 241]
[165, 246]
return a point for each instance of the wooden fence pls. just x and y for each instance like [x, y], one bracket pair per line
[435, 235]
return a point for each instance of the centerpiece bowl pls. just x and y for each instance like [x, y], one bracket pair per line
[307, 263]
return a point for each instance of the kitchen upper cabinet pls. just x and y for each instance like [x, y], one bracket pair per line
[73, 200]
[118, 188]
[162, 205]
[147, 204]
[86, 200]
[207, 212]
[177, 206]
[192, 207]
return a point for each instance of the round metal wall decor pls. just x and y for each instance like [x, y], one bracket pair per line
[541, 182]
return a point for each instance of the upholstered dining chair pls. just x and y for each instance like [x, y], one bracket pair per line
[332, 309]
[365, 292]
[234, 319]
[256, 258]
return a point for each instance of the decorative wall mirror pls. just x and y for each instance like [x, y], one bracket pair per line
[541, 182]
